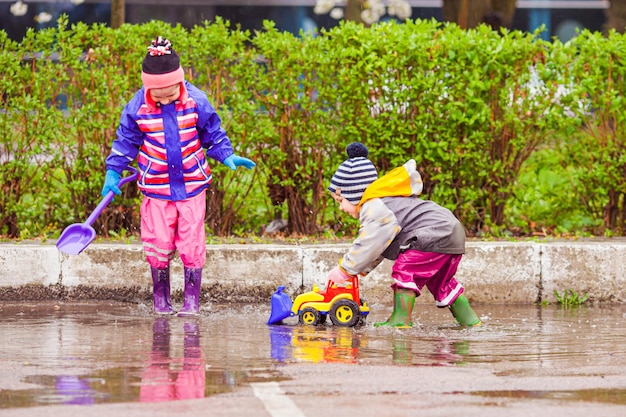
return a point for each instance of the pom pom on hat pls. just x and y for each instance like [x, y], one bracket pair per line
[357, 149]
[355, 174]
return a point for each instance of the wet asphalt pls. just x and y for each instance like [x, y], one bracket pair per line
[110, 358]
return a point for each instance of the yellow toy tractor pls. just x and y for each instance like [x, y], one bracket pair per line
[343, 304]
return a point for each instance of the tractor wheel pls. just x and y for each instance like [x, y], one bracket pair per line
[344, 313]
[309, 316]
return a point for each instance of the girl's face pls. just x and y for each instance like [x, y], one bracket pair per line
[345, 205]
[165, 95]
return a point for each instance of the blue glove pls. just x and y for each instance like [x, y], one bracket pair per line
[111, 182]
[235, 161]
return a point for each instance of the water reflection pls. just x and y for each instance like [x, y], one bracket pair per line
[441, 351]
[73, 389]
[328, 344]
[316, 343]
[166, 378]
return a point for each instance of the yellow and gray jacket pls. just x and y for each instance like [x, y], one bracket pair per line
[392, 218]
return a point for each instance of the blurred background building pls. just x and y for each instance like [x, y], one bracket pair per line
[561, 17]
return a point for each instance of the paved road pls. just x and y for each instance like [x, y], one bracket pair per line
[380, 391]
[525, 361]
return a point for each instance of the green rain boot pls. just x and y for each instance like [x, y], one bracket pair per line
[463, 313]
[403, 302]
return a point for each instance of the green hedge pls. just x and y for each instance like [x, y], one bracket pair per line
[508, 130]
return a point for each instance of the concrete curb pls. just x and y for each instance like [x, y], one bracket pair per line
[492, 272]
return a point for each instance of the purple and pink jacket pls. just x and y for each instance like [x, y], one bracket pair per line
[169, 143]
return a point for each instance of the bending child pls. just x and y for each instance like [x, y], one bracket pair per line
[167, 126]
[425, 240]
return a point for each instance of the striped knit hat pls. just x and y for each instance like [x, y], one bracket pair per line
[354, 175]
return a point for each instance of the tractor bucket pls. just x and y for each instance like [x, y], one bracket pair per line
[281, 306]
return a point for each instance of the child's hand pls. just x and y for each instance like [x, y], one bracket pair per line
[235, 161]
[111, 182]
[338, 276]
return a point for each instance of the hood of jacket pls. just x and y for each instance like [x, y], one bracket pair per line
[403, 181]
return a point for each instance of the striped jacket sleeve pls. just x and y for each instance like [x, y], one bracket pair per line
[128, 137]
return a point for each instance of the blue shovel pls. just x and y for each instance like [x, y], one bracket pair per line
[76, 237]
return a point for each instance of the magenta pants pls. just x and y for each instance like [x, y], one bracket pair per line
[413, 269]
[167, 226]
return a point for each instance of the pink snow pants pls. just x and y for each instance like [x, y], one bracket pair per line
[167, 226]
[413, 269]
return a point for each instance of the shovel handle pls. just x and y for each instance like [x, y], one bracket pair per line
[109, 196]
[133, 176]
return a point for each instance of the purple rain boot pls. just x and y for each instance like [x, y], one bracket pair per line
[161, 290]
[193, 280]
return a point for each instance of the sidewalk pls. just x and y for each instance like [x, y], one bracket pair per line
[492, 272]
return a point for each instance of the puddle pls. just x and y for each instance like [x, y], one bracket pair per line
[103, 352]
[611, 396]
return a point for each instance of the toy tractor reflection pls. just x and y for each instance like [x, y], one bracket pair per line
[343, 304]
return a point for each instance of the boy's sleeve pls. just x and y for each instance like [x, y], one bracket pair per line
[378, 228]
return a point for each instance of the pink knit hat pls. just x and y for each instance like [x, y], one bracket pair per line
[161, 68]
